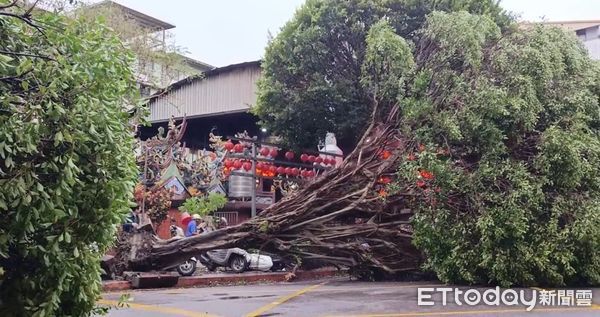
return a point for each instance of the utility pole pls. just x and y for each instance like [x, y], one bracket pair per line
[253, 205]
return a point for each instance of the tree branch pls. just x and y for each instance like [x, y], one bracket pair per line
[27, 55]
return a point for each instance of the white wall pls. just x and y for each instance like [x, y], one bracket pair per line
[593, 46]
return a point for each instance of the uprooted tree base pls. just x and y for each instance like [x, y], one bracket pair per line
[343, 218]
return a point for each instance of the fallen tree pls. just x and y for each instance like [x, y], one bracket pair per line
[483, 151]
[341, 218]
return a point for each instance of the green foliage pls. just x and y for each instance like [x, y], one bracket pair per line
[66, 163]
[205, 205]
[510, 124]
[388, 61]
[312, 70]
[156, 202]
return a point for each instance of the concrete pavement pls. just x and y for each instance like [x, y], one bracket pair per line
[332, 297]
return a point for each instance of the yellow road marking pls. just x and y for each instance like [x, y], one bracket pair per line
[472, 312]
[322, 289]
[156, 309]
[281, 300]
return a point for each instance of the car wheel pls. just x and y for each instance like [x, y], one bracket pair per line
[187, 268]
[238, 263]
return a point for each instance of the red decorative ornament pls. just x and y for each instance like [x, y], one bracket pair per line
[288, 171]
[280, 170]
[311, 158]
[420, 183]
[228, 163]
[238, 148]
[295, 171]
[260, 166]
[272, 169]
[247, 166]
[228, 145]
[385, 155]
[310, 174]
[303, 173]
[303, 157]
[318, 160]
[273, 153]
[426, 174]
[237, 164]
[289, 155]
[264, 151]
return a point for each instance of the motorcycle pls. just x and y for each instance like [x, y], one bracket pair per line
[235, 258]
[188, 267]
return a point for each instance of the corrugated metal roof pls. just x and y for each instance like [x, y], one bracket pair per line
[568, 25]
[143, 19]
[221, 90]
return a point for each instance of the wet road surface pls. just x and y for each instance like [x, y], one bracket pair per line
[333, 297]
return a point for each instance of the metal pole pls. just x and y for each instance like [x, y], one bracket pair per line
[253, 210]
[142, 217]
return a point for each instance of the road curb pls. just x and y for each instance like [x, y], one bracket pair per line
[207, 280]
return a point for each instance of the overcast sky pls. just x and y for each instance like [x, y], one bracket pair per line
[223, 32]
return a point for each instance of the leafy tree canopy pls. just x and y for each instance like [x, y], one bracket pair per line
[504, 132]
[66, 163]
[500, 125]
[313, 68]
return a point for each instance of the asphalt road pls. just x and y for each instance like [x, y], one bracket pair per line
[334, 297]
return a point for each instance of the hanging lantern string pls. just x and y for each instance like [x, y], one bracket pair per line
[286, 163]
[259, 143]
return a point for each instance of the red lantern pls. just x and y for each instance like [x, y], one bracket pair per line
[311, 158]
[228, 163]
[303, 173]
[228, 145]
[238, 148]
[260, 165]
[264, 151]
[295, 171]
[272, 169]
[280, 170]
[288, 171]
[310, 174]
[289, 155]
[237, 164]
[303, 157]
[247, 166]
[318, 160]
[273, 153]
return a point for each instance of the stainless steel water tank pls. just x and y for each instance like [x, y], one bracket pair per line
[240, 186]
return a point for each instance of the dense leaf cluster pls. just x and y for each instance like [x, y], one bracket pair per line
[508, 167]
[312, 70]
[66, 162]
[500, 126]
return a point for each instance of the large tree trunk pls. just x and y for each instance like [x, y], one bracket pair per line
[343, 217]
